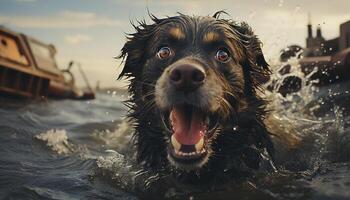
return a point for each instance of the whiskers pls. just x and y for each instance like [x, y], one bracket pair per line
[149, 105]
[145, 83]
[146, 103]
[228, 93]
[225, 106]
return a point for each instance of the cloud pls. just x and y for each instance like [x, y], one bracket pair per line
[64, 19]
[98, 69]
[77, 39]
[26, 1]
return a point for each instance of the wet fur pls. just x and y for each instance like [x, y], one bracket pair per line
[242, 143]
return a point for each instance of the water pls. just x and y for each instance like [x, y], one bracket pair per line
[80, 150]
[49, 149]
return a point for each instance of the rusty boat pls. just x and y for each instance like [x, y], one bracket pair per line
[28, 69]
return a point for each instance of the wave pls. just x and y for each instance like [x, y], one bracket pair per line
[56, 140]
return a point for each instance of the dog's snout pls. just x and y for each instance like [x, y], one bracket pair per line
[187, 76]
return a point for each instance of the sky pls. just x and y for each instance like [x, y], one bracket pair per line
[92, 32]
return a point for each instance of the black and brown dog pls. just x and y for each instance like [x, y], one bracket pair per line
[194, 102]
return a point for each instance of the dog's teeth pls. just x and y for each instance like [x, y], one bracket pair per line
[175, 143]
[199, 145]
[176, 151]
[172, 117]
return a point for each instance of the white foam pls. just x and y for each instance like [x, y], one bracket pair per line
[118, 139]
[56, 140]
[293, 116]
[116, 167]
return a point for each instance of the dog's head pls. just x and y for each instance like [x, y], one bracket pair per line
[191, 79]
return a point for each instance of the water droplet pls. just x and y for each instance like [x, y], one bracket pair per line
[280, 4]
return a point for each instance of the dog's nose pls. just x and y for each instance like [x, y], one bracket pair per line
[187, 76]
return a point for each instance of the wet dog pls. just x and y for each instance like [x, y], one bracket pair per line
[194, 101]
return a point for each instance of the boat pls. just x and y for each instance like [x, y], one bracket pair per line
[28, 69]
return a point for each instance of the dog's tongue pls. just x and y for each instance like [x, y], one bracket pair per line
[188, 124]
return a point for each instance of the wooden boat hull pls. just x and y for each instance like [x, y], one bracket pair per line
[28, 69]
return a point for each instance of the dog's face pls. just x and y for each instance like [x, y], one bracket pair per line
[191, 77]
[201, 72]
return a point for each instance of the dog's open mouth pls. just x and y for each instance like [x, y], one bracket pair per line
[191, 131]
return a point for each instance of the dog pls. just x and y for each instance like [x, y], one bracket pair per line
[194, 103]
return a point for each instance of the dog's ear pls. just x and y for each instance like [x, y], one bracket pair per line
[255, 62]
[254, 46]
[133, 51]
[250, 41]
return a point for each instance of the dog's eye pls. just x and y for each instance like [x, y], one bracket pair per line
[164, 52]
[222, 55]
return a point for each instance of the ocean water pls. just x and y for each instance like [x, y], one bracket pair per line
[80, 150]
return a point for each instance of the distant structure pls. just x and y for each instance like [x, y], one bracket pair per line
[329, 60]
[318, 46]
[330, 57]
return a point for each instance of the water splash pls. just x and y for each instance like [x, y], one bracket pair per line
[293, 119]
[118, 169]
[288, 112]
[118, 139]
[338, 144]
[57, 141]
